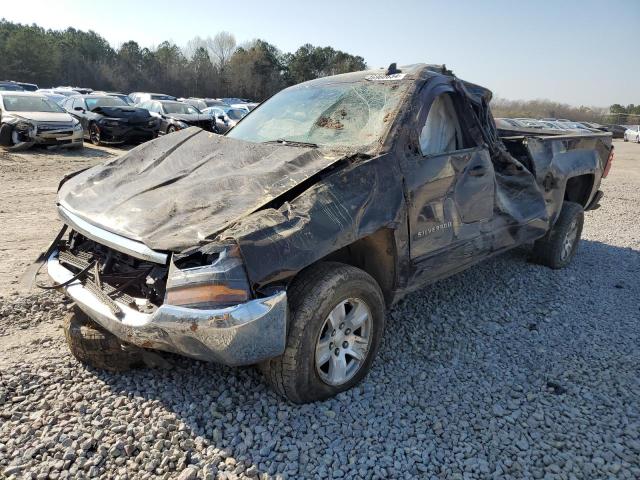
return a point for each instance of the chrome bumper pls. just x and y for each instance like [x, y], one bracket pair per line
[244, 334]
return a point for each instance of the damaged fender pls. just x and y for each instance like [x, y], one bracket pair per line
[344, 207]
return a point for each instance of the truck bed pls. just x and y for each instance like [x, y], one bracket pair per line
[566, 167]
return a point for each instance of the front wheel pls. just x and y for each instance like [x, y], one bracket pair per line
[171, 129]
[559, 245]
[624, 137]
[337, 316]
[95, 134]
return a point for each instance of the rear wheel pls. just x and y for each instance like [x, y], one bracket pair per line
[336, 324]
[94, 134]
[94, 346]
[559, 245]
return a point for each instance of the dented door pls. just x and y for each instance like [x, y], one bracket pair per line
[451, 203]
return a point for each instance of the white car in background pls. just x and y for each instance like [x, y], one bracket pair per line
[632, 134]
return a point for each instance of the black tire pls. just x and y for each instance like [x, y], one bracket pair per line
[94, 134]
[312, 296]
[5, 135]
[171, 129]
[624, 137]
[94, 346]
[556, 249]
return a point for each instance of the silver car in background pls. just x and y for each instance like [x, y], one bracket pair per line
[632, 133]
[27, 119]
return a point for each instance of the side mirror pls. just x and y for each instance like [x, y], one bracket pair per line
[79, 109]
[221, 117]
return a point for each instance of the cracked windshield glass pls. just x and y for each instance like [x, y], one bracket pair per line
[337, 115]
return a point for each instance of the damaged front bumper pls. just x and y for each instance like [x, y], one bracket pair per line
[243, 334]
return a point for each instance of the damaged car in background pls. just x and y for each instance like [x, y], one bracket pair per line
[28, 119]
[284, 242]
[107, 119]
[174, 116]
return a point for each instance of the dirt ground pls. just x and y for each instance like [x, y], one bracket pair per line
[29, 181]
[28, 219]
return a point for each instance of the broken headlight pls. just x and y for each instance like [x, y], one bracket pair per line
[23, 127]
[211, 277]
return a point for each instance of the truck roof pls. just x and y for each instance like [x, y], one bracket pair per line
[406, 73]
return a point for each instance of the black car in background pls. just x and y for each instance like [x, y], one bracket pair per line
[175, 116]
[617, 131]
[10, 86]
[107, 119]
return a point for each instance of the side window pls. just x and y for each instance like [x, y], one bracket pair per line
[441, 132]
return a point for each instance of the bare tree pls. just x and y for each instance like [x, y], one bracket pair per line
[221, 47]
[193, 45]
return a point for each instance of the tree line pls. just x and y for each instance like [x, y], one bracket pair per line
[548, 109]
[206, 67]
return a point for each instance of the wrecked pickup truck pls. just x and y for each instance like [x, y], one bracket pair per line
[283, 243]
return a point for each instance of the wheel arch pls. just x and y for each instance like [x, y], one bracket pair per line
[376, 254]
[578, 189]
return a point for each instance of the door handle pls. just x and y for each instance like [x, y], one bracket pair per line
[477, 171]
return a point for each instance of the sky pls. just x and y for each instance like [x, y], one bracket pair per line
[583, 52]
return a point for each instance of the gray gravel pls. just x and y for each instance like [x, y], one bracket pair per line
[509, 370]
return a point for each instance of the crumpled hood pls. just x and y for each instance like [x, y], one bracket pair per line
[124, 112]
[182, 189]
[189, 117]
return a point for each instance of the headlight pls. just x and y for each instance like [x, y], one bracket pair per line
[23, 126]
[210, 277]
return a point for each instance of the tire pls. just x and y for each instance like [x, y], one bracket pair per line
[171, 129]
[5, 135]
[557, 248]
[94, 346]
[318, 291]
[94, 134]
[624, 137]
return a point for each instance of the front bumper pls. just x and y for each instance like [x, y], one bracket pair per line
[128, 132]
[68, 137]
[244, 334]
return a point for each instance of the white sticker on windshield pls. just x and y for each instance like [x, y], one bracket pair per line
[380, 77]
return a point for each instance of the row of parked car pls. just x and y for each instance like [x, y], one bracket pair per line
[560, 126]
[68, 115]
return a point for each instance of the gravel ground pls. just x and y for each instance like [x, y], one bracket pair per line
[508, 370]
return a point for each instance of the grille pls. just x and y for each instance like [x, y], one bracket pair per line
[48, 127]
[114, 276]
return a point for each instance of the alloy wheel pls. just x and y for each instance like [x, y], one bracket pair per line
[344, 341]
[569, 240]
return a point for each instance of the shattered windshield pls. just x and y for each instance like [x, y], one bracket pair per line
[332, 115]
[19, 103]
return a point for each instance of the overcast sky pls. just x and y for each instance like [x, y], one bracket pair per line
[579, 52]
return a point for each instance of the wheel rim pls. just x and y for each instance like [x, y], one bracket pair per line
[570, 239]
[344, 341]
[94, 134]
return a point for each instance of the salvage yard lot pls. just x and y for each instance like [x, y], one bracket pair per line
[509, 368]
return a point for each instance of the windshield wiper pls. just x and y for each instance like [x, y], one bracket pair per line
[294, 143]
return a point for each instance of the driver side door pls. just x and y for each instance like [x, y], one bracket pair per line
[450, 187]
